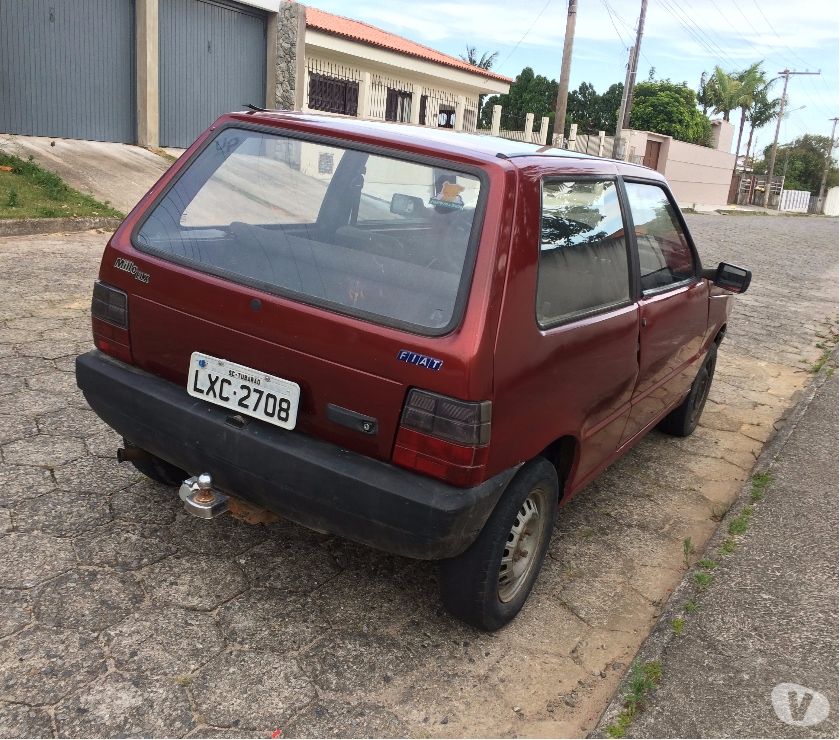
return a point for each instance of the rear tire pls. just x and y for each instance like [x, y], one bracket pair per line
[683, 420]
[157, 469]
[487, 585]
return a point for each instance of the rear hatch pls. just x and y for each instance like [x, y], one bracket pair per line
[340, 269]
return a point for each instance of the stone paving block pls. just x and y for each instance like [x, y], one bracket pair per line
[43, 450]
[96, 474]
[273, 621]
[292, 563]
[14, 427]
[71, 423]
[193, 581]
[19, 720]
[251, 690]
[63, 513]
[222, 536]
[15, 611]
[124, 546]
[87, 599]
[147, 502]
[169, 641]
[27, 559]
[122, 706]
[326, 719]
[40, 665]
[352, 664]
[21, 482]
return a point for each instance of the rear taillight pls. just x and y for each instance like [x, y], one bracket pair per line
[109, 319]
[444, 437]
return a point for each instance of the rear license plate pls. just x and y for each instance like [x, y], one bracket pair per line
[244, 389]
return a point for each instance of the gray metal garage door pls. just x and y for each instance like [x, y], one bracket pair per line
[212, 60]
[67, 68]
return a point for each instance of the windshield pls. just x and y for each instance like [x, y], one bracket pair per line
[366, 234]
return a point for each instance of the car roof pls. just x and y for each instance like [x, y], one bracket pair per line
[475, 145]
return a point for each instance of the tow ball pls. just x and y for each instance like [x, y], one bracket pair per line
[200, 499]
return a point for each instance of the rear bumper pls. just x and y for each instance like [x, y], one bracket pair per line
[311, 482]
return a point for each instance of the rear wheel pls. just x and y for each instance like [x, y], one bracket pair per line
[488, 584]
[157, 469]
[683, 420]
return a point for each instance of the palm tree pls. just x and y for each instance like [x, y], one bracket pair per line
[751, 82]
[723, 91]
[762, 111]
[485, 61]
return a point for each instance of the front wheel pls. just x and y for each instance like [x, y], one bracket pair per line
[683, 420]
[488, 584]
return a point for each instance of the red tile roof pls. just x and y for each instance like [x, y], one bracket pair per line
[367, 34]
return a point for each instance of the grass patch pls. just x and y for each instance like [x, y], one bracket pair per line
[688, 551]
[702, 579]
[827, 344]
[727, 547]
[740, 523]
[643, 680]
[28, 191]
[678, 624]
[691, 606]
[707, 564]
[760, 481]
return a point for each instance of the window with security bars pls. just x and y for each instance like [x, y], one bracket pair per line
[398, 106]
[333, 94]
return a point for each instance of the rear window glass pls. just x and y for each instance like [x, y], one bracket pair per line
[369, 235]
[583, 253]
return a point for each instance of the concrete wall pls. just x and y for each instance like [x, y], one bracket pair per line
[697, 174]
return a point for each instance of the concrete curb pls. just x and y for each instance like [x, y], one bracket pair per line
[26, 226]
[662, 633]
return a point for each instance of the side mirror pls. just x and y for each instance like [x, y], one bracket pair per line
[729, 277]
[406, 205]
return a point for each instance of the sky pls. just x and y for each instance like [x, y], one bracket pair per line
[682, 38]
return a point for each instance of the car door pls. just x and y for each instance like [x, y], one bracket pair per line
[673, 305]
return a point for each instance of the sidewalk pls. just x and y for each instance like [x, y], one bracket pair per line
[117, 174]
[769, 616]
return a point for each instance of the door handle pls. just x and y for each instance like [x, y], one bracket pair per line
[644, 321]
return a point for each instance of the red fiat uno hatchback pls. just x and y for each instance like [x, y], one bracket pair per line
[417, 339]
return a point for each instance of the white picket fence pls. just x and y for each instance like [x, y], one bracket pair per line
[795, 201]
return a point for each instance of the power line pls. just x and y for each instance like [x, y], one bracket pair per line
[696, 36]
[612, 12]
[530, 28]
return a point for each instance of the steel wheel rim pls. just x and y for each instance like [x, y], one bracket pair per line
[523, 545]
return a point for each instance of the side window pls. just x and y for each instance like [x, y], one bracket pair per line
[583, 255]
[665, 257]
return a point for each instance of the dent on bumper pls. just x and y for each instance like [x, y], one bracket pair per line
[309, 481]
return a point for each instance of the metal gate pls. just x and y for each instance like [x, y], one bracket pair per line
[67, 68]
[212, 60]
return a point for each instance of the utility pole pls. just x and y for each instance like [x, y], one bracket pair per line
[629, 82]
[635, 63]
[565, 70]
[617, 153]
[787, 74]
[821, 198]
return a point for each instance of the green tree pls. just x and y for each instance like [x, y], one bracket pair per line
[665, 107]
[762, 111]
[593, 112]
[805, 159]
[723, 91]
[705, 94]
[485, 61]
[529, 93]
[751, 82]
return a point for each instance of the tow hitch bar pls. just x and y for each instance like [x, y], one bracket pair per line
[200, 499]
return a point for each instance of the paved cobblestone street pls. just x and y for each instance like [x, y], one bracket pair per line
[121, 615]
